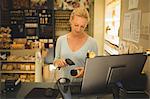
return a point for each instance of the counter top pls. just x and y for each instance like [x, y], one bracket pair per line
[25, 88]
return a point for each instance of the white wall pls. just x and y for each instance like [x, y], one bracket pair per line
[144, 6]
[98, 34]
[99, 24]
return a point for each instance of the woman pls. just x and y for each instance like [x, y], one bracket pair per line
[75, 44]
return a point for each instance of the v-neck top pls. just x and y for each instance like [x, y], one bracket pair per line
[63, 51]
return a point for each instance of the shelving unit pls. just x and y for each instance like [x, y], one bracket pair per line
[46, 24]
[16, 71]
[5, 38]
[32, 20]
[24, 64]
[62, 25]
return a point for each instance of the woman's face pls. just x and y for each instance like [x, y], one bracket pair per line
[78, 24]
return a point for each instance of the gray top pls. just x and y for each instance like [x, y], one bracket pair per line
[78, 57]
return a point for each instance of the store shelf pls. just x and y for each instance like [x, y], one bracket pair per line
[62, 25]
[23, 61]
[14, 50]
[25, 64]
[16, 71]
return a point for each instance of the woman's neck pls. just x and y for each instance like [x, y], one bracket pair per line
[72, 35]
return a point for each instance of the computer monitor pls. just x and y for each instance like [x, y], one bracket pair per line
[97, 70]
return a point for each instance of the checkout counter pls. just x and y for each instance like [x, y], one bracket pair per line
[24, 92]
[36, 90]
[132, 88]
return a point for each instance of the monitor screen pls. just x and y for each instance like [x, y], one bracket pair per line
[98, 70]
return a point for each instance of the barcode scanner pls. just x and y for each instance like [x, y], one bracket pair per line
[69, 62]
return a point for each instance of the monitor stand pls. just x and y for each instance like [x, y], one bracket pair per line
[128, 88]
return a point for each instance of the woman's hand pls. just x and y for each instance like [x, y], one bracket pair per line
[81, 72]
[60, 63]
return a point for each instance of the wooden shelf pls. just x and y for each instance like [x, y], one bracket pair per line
[16, 71]
[34, 74]
[7, 50]
[5, 61]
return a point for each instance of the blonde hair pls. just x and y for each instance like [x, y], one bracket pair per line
[81, 12]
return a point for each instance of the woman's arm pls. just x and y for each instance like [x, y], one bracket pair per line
[58, 61]
[81, 72]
